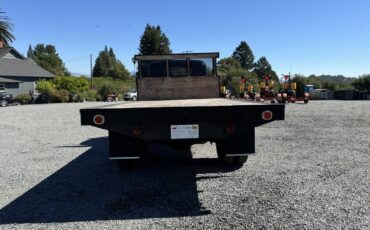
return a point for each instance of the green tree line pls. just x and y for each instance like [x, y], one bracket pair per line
[333, 82]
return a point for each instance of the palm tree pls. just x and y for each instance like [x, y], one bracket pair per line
[5, 29]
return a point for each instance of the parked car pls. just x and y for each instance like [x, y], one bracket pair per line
[5, 99]
[130, 96]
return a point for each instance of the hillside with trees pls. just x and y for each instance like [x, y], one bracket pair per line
[330, 82]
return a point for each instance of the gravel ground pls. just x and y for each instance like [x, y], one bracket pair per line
[311, 171]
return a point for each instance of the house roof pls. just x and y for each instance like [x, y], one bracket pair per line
[6, 80]
[20, 66]
[4, 51]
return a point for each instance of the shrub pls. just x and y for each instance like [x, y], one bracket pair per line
[231, 79]
[90, 95]
[60, 96]
[45, 86]
[23, 99]
[300, 81]
[76, 89]
[107, 85]
[71, 84]
[107, 89]
[43, 98]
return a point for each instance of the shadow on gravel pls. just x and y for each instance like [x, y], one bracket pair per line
[91, 187]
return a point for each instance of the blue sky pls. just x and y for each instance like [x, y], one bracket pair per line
[306, 37]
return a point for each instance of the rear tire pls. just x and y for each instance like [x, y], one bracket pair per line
[134, 98]
[306, 101]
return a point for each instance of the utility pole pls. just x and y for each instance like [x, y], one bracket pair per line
[91, 73]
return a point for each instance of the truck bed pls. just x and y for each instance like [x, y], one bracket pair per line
[155, 118]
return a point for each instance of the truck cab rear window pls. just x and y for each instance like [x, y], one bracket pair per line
[201, 67]
[178, 68]
[156, 68]
[194, 67]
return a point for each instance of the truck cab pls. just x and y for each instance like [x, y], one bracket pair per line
[177, 76]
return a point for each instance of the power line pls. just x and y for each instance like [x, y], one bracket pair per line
[77, 59]
[79, 65]
[80, 73]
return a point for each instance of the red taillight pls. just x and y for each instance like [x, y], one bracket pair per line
[266, 115]
[99, 119]
[136, 131]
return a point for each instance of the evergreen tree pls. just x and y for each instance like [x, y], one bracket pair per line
[154, 41]
[264, 68]
[231, 72]
[244, 55]
[229, 63]
[47, 57]
[30, 53]
[107, 65]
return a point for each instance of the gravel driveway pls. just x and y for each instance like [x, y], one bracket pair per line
[311, 171]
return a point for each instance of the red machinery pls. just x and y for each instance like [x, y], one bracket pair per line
[288, 92]
[267, 90]
[247, 90]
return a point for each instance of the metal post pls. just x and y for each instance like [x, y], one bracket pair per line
[91, 74]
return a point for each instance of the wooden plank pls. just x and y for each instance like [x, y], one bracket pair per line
[209, 102]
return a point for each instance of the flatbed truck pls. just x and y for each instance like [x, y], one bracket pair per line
[179, 103]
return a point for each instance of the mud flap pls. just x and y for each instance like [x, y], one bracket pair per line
[122, 147]
[237, 145]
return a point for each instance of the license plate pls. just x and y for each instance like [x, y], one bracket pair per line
[185, 131]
